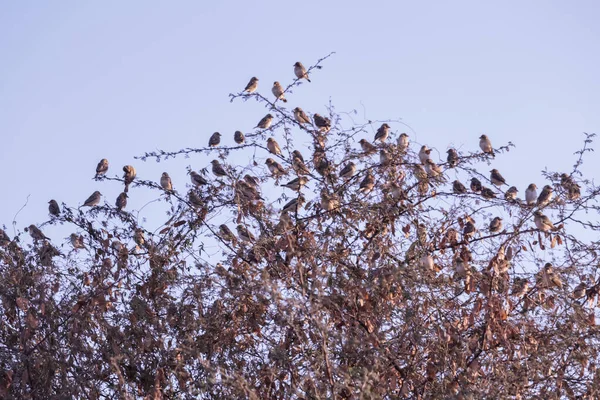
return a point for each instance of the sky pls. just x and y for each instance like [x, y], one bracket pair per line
[81, 81]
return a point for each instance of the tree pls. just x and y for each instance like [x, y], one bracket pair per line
[364, 271]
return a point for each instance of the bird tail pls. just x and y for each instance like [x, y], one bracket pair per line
[308, 79]
[284, 100]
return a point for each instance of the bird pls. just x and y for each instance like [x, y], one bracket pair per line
[323, 123]
[384, 157]
[101, 168]
[165, 182]
[251, 180]
[511, 193]
[487, 193]
[486, 145]
[77, 241]
[301, 116]
[458, 187]
[531, 194]
[572, 188]
[475, 185]
[297, 154]
[469, 229]
[244, 234]
[218, 169]
[53, 208]
[403, 142]
[348, 171]
[214, 140]
[226, 234]
[328, 203]
[93, 200]
[496, 178]
[278, 92]
[520, 287]
[433, 170]
[128, 176]
[496, 225]
[424, 154]
[545, 196]
[121, 202]
[238, 137]
[542, 222]
[367, 184]
[273, 146]
[452, 158]
[547, 277]
[265, 122]
[4, 239]
[297, 183]
[300, 71]
[247, 191]
[275, 168]
[367, 147]
[299, 166]
[382, 133]
[420, 173]
[194, 199]
[293, 205]
[252, 85]
[138, 237]
[36, 233]
[197, 179]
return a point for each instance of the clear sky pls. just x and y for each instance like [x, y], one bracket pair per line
[80, 81]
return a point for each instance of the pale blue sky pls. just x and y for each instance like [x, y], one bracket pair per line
[80, 81]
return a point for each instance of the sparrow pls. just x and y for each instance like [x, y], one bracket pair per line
[486, 145]
[329, 203]
[579, 291]
[275, 168]
[348, 171]
[301, 116]
[496, 178]
[573, 189]
[165, 182]
[531, 194]
[297, 154]
[458, 187]
[293, 205]
[239, 137]
[403, 142]
[244, 234]
[197, 179]
[218, 169]
[511, 193]
[549, 278]
[265, 122]
[384, 157]
[4, 239]
[53, 208]
[128, 176]
[324, 124]
[121, 202]
[469, 229]
[273, 147]
[296, 184]
[396, 191]
[424, 154]
[300, 71]
[382, 133]
[487, 193]
[227, 235]
[433, 170]
[475, 185]
[93, 200]
[101, 168]
[138, 237]
[251, 180]
[420, 172]
[496, 225]
[367, 184]
[452, 158]
[545, 196]
[277, 91]
[542, 222]
[77, 241]
[247, 191]
[300, 167]
[520, 287]
[322, 166]
[214, 140]
[194, 199]
[36, 233]
[252, 85]
[367, 147]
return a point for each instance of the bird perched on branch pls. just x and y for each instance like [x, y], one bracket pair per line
[128, 176]
[403, 142]
[101, 168]
[194, 199]
[214, 140]
[227, 235]
[542, 222]
[348, 171]
[197, 179]
[93, 200]
[121, 202]
[218, 169]
[239, 137]
[293, 205]
[458, 187]
[424, 154]
[273, 146]
[511, 193]
[300, 71]
[275, 168]
[531, 194]
[486, 145]
[496, 225]
[367, 184]
[301, 116]
[278, 92]
[165, 182]
[244, 234]
[573, 189]
[382, 133]
[252, 85]
[545, 196]
[265, 122]
[53, 208]
[323, 123]
[367, 147]
[475, 185]
[36, 233]
[452, 158]
[296, 184]
[496, 178]
[77, 241]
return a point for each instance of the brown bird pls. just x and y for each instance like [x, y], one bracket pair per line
[273, 146]
[265, 122]
[384, 157]
[348, 171]
[469, 229]
[101, 168]
[511, 193]
[77, 241]
[194, 199]
[328, 203]
[93, 200]
[278, 91]
[218, 169]
[297, 154]
[215, 139]
[275, 168]
[367, 147]
[299, 166]
[121, 202]
[496, 178]
[197, 179]
[452, 158]
[545, 196]
[475, 185]
[4, 238]
[403, 142]
[424, 153]
[128, 176]
[486, 145]
[247, 191]
[382, 133]
[542, 222]
[573, 189]
[367, 184]
[251, 180]
[301, 116]
[165, 182]
[53, 208]
[252, 85]
[138, 237]
[239, 137]
[487, 193]
[496, 225]
[293, 205]
[244, 234]
[36, 233]
[323, 123]
[227, 235]
[458, 187]
[433, 170]
[300, 71]
[531, 194]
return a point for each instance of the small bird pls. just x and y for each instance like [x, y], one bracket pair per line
[487, 193]
[296, 184]
[323, 123]
[194, 199]
[496, 225]
[252, 85]
[273, 146]
[475, 185]
[275, 168]
[531, 194]
[265, 122]
[403, 142]
[496, 178]
[542, 222]
[328, 203]
[93, 200]
[511, 193]
[299, 166]
[227, 235]
[424, 154]
[545, 196]
[239, 137]
[301, 116]
[469, 229]
[367, 184]
[121, 202]
[128, 176]
[278, 92]
[520, 287]
[214, 140]
[297, 154]
[348, 171]
[165, 182]
[244, 234]
[452, 158]
[322, 166]
[384, 157]
[458, 187]
[77, 241]
[433, 170]
[293, 205]
[138, 237]
[367, 147]
[382, 133]
[573, 189]
[300, 71]
[36, 233]
[251, 180]
[101, 168]
[247, 191]
[486, 145]
[4, 239]
[548, 278]
[53, 208]
[218, 169]
[197, 179]
[580, 290]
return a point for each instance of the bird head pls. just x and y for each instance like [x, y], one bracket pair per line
[483, 137]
